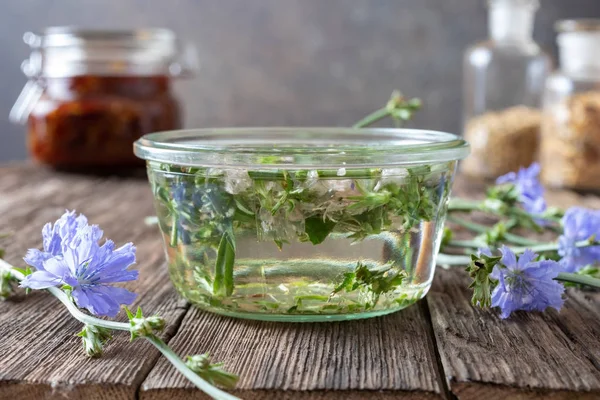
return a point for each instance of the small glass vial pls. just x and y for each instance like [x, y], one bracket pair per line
[503, 84]
[570, 146]
[92, 93]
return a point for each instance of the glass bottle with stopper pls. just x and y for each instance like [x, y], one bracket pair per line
[503, 84]
[570, 144]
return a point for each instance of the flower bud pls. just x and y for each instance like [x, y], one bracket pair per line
[213, 373]
[144, 326]
[147, 326]
[198, 363]
[94, 338]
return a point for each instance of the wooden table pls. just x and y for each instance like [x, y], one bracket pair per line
[440, 348]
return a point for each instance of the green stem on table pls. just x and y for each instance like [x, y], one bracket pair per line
[452, 260]
[458, 204]
[517, 239]
[151, 220]
[188, 373]
[579, 279]
[177, 362]
[467, 244]
[475, 227]
[478, 228]
[545, 247]
[372, 118]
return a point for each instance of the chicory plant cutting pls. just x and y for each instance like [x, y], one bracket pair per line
[81, 273]
[509, 271]
[530, 277]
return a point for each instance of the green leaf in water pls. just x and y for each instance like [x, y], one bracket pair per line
[223, 283]
[318, 229]
[375, 281]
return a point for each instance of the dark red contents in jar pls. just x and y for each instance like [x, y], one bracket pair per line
[92, 121]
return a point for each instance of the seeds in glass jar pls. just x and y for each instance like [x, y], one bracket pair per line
[570, 147]
[502, 141]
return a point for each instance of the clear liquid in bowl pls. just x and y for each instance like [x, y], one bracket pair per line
[301, 245]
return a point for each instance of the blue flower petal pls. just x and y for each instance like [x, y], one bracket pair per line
[511, 177]
[484, 251]
[527, 257]
[579, 224]
[50, 238]
[73, 256]
[509, 260]
[102, 299]
[531, 191]
[36, 258]
[40, 280]
[529, 285]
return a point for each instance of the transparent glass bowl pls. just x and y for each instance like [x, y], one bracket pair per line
[301, 224]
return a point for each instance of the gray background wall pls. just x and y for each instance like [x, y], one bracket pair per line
[288, 62]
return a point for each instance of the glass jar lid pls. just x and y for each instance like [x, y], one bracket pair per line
[578, 41]
[68, 51]
[578, 25]
[291, 148]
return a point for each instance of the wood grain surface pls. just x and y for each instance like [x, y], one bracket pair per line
[388, 356]
[440, 348]
[40, 357]
[530, 355]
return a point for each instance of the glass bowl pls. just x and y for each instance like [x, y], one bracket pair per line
[301, 224]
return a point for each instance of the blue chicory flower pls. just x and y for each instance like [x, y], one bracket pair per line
[526, 284]
[86, 267]
[531, 191]
[579, 224]
[53, 237]
[484, 251]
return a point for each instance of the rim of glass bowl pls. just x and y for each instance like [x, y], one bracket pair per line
[291, 148]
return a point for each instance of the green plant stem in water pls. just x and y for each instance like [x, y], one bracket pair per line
[323, 173]
[177, 362]
[173, 237]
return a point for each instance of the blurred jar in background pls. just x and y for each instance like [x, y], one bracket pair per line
[92, 93]
[503, 84]
[570, 148]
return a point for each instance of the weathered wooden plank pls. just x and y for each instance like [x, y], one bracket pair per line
[531, 355]
[380, 358]
[526, 356]
[41, 359]
[551, 355]
[39, 355]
